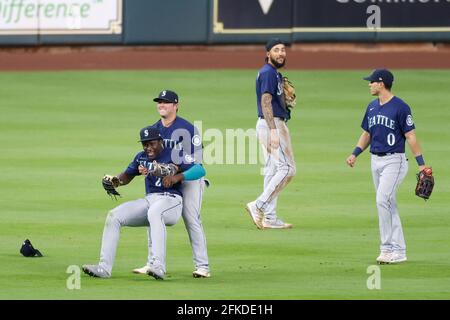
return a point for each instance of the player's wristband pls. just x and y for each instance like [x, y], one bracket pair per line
[420, 160]
[357, 151]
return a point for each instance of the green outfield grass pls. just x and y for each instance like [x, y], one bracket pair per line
[62, 131]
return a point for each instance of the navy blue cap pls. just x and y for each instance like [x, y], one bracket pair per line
[272, 43]
[167, 96]
[381, 75]
[150, 133]
[27, 250]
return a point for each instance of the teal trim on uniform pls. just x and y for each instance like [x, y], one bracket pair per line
[194, 173]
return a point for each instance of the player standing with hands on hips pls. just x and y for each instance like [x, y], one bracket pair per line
[183, 141]
[273, 134]
[386, 125]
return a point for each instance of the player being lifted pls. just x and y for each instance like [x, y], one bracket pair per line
[184, 142]
[273, 134]
[161, 206]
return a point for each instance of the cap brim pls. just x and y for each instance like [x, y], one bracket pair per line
[163, 100]
[369, 78]
[150, 139]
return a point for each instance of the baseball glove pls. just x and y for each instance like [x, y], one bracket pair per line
[162, 170]
[110, 183]
[289, 93]
[425, 183]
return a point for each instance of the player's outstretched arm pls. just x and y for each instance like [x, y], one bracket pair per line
[363, 143]
[110, 183]
[124, 179]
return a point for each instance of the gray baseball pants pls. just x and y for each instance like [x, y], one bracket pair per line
[156, 210]
[280, 166]
[192, 203]
[388, 173]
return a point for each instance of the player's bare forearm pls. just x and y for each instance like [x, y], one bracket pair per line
[124, 178]
[266, 106]
[363, 143]
[413, 143]
[415, 147]
[364, 140]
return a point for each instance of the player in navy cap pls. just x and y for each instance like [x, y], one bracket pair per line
[273, 135]
[161, 206]
[381, 75]
[167, 96]
[386, 125]
[184, 143]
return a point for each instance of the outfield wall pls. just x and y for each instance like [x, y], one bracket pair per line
[153, 22]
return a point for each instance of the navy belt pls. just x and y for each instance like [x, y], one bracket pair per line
[383, 154]
[282, 119]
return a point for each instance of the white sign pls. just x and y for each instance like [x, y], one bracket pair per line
[265, 5]
[60, 17]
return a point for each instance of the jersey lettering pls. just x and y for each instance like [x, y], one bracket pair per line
[146, 164]
[381, 120]
[172, 144]
[387, 125]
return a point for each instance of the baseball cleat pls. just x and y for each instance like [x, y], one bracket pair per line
[255, 214]
[384, 258]
[276, 224]
[201, 273]
[156, 272]
[143, 270]
[398, 257]
[94, 270]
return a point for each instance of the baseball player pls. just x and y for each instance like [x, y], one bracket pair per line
[386, 125]
[184, 141]
[161, 206]
[273, 134]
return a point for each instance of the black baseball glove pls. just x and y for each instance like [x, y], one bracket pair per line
[110, 183]
[425, 183]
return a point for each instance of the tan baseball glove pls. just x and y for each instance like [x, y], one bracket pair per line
[289, 93]
[162, 170]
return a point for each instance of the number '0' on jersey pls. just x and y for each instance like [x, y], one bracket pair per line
[387, 125]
